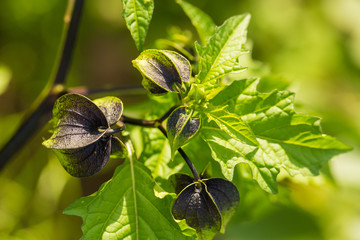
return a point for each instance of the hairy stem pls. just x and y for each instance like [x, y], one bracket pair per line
[40, 111]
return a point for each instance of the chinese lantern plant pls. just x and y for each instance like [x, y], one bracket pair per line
[200, 102]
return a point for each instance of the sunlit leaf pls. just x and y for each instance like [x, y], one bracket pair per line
[137, 15]
[220, 56]
[155, 153]
[285, 140]
[126, 208]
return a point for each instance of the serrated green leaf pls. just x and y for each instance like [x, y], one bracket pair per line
[126, 208]
[286, 140]
[180, 128]
[229, 152]
[220, 56]
[137, 15]
[201, 21]
[232, 124]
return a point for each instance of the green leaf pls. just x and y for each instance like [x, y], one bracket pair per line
[162, 70]
[220, 56]
[112, 107]
[137, 15]
[232, 125]
[229, 152]
[181, 128]
[126, 208]
[285, 140]
[201, 21]
[118, 148]
[156, 153]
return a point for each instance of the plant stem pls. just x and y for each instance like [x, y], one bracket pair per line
[40, 111]
[157, 123]
[140, 122]
[184, 156]
[124, 90]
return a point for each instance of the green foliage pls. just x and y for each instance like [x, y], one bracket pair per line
[137, 15]
[249, 133]
[239, 124]
[201, 21]
[220, 56]
[263, 130]
[126, 207]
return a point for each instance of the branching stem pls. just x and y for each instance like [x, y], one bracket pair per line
[40, 112]
[158, 124]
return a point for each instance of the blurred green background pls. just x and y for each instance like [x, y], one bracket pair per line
[313, 44]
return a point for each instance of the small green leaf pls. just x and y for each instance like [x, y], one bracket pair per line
[126, 208]
[206, 205]
[220, 56]
[181, 128]
[118, 148]
[156, 153]
[162, 70]
[112, 107]
[137, 15]
[201, 21]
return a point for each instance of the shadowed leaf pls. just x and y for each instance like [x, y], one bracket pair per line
[118, 148]
[201, 21]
